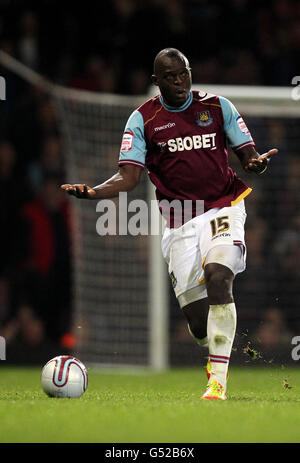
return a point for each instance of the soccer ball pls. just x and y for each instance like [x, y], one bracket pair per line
[64, 377]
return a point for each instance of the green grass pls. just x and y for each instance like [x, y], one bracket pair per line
[153, 408]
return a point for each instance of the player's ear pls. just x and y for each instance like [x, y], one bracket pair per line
[154, 79]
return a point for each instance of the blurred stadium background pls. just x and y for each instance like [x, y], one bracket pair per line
[62, 287]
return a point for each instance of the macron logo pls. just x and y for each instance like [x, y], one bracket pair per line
[162, 127]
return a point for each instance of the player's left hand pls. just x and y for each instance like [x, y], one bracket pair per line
[259, 165]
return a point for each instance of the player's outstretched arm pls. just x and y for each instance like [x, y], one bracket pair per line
[254, 162]
[126, 179]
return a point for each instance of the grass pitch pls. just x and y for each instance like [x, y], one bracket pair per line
[263, 406]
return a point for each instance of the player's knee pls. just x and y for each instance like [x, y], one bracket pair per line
[219, 286]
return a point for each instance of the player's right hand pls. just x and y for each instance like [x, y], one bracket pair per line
[81, 191]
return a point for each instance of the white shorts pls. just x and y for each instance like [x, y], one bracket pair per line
[185, 248]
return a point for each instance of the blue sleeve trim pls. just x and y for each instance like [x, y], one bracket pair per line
[235, 128]
[133, 148]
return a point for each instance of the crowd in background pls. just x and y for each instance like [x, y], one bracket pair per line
[110, 48]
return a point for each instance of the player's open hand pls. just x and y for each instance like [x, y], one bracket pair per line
[81, 191]
[259, 164]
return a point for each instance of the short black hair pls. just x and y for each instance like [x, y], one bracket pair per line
[171, 53]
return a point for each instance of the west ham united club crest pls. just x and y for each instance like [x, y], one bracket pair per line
[204, 118]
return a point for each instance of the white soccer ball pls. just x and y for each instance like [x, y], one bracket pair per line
[64, 377]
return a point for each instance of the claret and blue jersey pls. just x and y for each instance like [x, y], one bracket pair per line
[185, 149]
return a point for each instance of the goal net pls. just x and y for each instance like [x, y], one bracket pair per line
[120, 281]
[115, 274]
[125, 312]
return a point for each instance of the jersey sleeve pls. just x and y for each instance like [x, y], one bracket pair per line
[133, 147]
[235, 128]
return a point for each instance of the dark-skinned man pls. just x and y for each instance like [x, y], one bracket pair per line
[181, 137]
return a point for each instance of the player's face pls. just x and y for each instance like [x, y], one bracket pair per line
[173, 77]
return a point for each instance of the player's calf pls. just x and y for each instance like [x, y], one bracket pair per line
[196, 314]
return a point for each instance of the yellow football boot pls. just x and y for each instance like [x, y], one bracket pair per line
[214, 391]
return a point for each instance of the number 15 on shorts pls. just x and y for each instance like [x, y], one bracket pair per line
[219, 225]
